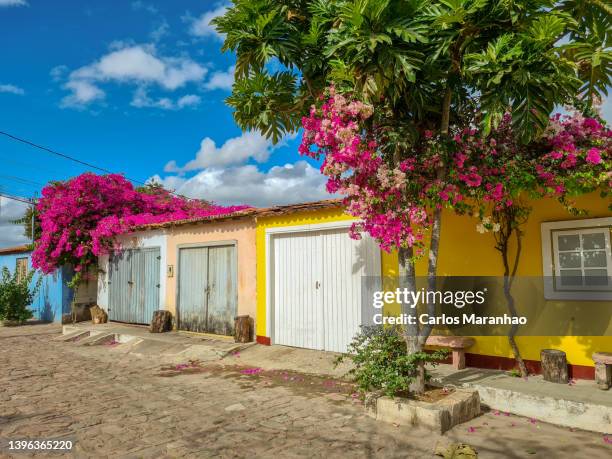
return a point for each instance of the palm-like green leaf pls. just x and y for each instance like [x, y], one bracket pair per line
[266, 103]
[404, 55]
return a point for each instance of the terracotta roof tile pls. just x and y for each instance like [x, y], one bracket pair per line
[252, 212]
[16, 249]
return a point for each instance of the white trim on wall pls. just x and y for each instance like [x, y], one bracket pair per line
[551, 291]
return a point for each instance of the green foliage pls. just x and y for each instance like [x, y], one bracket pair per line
[16, 295]
[404, 56]
[266, 103]
[515, 373]
[31, 214]
[381, 361]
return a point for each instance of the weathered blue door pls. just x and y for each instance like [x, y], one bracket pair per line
[134, 285]
[207, 289]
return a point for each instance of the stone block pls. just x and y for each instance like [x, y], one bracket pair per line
[440, 416]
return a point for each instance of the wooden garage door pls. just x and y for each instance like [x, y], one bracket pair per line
[207, 289]
[134, 277]
[317, 287]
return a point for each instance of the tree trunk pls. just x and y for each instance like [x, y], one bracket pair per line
[432, 269]
[411, 331]
[508, 222]
[513, 329]
[554, 366]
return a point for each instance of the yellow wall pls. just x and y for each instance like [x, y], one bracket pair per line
[465, 252]
[388, 262]
[242, 232]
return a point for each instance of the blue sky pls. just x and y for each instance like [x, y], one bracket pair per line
[136, 87]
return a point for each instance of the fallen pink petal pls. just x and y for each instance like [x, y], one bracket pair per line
[252, 371]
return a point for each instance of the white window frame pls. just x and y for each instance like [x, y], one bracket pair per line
[551, 270]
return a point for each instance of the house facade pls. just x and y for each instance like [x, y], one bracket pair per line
[310, 276]
[131, 284]
[53, 301]
[202, 271]
[308, 295]
[295, 271]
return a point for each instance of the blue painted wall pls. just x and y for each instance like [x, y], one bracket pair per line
[54, 297]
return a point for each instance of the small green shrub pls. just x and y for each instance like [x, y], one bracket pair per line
[515, 373]
[381, 362]
[16, 295]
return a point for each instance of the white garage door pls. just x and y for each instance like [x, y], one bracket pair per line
[317, 287]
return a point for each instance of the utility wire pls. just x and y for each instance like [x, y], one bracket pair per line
[65, 156]
[17, 198]
[20, 180]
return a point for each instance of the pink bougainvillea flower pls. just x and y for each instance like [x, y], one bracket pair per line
[81, 217]
[252, 371]
[593, 156]
[393, 199]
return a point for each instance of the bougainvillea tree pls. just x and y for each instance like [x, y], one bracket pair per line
[573, 157]
[419, 65]
[487, 175]
[81, 217]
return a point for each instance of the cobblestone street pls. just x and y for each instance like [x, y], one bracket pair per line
[115, 405]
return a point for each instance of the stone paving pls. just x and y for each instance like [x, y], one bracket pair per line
[112, 404]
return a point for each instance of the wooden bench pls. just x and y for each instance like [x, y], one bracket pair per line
[457, 344]
[603, 369]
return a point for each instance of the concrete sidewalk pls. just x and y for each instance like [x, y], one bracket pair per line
[580, 404]
[137, 340]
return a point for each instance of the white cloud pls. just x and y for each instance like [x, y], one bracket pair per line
[139, 5]
[11, 234]
[190, 100]
[236, 150]
[58, 72]
[160, 31]
[82, 93]
[221, 80]
[201, 26]
[11, 89]
[141, 99]
[132, 64]
[137, 63]
[13, 3]
[291, 183]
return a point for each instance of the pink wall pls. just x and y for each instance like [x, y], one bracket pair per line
[242, 232]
